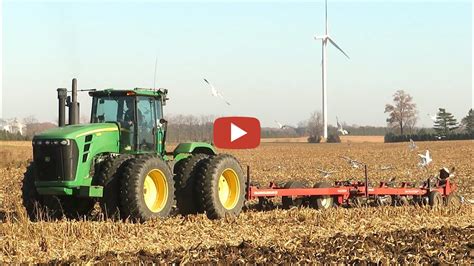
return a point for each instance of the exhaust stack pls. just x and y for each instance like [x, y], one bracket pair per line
[62, 95]
[73, 105]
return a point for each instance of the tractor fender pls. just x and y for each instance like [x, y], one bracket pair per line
[183, 150]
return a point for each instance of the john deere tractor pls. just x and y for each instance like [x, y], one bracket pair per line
[120, 161]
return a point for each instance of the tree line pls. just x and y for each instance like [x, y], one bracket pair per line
[403, 115]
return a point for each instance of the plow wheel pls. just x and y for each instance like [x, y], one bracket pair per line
[322, 202]
[435, 199]
[146, 189]
[453, 200]
[185, 182]
[384, 201]
[400, 201]
[288, 202]
[220, 186]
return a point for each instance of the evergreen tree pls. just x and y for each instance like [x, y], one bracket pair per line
[468, 122]
[445, 123]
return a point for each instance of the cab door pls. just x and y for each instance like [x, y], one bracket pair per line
[146, 116]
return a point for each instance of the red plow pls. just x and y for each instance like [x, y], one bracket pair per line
[435, 192]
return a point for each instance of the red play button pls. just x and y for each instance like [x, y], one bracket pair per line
[236, 132]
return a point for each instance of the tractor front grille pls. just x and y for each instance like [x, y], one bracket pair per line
[55, 161]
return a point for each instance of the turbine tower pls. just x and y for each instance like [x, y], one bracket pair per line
[325, 38]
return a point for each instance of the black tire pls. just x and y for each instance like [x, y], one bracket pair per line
[185, 183]
[108, 177]
[132, 189]
[75, 207]
[322, 202]
[453, 201]
[400, 201]
[38, 207]
[384, 200]
[209, 175]
[289, 202]
[435, 199]
[421, 201]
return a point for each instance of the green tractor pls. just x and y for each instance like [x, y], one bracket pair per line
[120, 161]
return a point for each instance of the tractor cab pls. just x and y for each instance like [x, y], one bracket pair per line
[139, 115]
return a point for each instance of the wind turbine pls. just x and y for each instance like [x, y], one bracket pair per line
[325, 38]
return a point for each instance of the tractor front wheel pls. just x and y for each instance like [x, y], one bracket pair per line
[147, 189]
[220, 186]
[38, 207]
[108, 177]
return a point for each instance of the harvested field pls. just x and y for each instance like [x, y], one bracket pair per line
[385, 234]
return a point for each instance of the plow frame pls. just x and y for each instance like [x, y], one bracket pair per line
[343, 190]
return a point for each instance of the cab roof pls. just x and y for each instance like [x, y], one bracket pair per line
[132, 92]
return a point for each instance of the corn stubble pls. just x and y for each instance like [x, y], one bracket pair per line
[379, 235]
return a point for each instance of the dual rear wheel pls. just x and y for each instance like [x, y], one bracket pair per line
[211, 184]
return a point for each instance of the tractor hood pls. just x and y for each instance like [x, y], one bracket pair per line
[76, 131]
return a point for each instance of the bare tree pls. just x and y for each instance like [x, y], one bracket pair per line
[30, 120]
[402, 113]
[315, 127]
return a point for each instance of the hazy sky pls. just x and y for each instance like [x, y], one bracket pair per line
[261, 56]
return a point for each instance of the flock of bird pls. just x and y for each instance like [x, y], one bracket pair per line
[425, 160]
[218, 94]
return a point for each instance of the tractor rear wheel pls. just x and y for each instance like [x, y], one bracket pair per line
[108, 177]
[185, 182]
[146, 189]
[322, 202]
[293, 201]
[220, 186]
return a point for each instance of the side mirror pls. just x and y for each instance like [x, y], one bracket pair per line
[163, 121]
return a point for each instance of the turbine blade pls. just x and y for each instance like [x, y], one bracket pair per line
[339, 48]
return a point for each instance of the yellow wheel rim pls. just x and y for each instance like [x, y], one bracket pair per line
[155, 190]
[229, 188]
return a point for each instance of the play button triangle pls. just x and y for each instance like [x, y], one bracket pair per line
[236, 132]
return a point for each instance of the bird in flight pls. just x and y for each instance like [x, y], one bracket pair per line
[324, 173]
[412, 146]
[425, 159]
[281, 126]
[386, 167]
[432, 117]
[354, 164]
[340, 129]
[215, 92]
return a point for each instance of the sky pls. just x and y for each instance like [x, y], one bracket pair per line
[260, 55]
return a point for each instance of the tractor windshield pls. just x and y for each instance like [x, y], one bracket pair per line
[136, 116]
[117, 109]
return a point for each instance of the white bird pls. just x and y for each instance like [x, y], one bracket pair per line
[388, 167]
[324, 173]
[425, 159]
[432, 117]
[325, 39]
[353, 163]
[281, 126]
[412, 146]
[340, 129]
[215, 92]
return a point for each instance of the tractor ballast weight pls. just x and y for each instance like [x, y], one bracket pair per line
[120, 160]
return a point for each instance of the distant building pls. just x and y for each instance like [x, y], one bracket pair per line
[13, 126]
